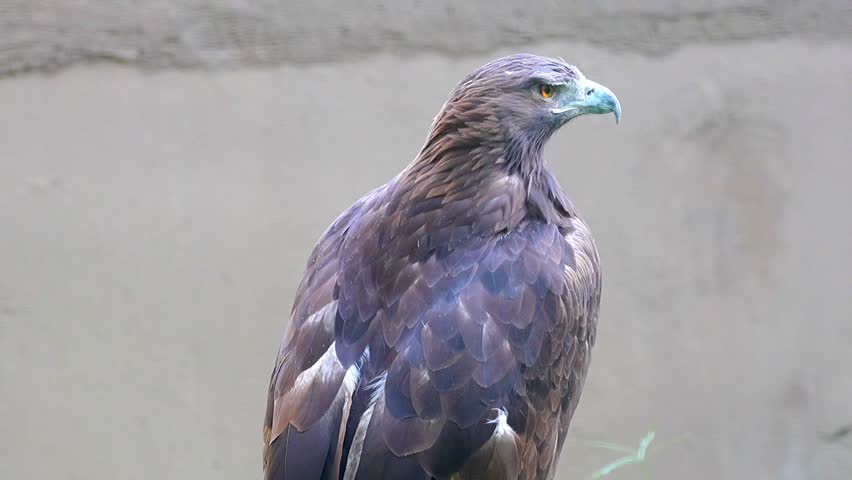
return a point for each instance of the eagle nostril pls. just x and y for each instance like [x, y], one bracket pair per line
[590, 91]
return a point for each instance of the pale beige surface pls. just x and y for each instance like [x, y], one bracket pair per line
[153, 228]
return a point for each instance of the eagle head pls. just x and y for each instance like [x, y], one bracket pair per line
[521, 100]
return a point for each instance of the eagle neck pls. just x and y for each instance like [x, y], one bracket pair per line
[484, 185]
[468, 184]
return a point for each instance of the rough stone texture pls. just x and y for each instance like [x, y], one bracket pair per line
[47, 34]
[153, 228]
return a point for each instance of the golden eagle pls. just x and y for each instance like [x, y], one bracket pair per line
[444, 323]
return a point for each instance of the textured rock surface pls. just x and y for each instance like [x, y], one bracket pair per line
[46, 34]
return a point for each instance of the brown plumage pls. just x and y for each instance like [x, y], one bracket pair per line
[444, 324]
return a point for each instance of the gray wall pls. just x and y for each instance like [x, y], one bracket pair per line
[155, 219]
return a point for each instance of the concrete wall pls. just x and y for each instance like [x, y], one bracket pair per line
[155, 222]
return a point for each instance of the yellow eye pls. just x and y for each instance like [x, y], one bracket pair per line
[546, 90]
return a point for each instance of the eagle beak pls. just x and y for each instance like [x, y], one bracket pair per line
[598, 99]
[593, 98]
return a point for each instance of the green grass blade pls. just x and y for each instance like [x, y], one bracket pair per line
[608, 469]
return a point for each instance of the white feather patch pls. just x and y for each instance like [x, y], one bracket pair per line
[502, 427]
[354, 458]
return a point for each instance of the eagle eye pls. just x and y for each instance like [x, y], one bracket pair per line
[546, 90]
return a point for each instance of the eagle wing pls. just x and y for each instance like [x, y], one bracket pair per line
[305, 410]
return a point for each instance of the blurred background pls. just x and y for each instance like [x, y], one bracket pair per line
[166, 166]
